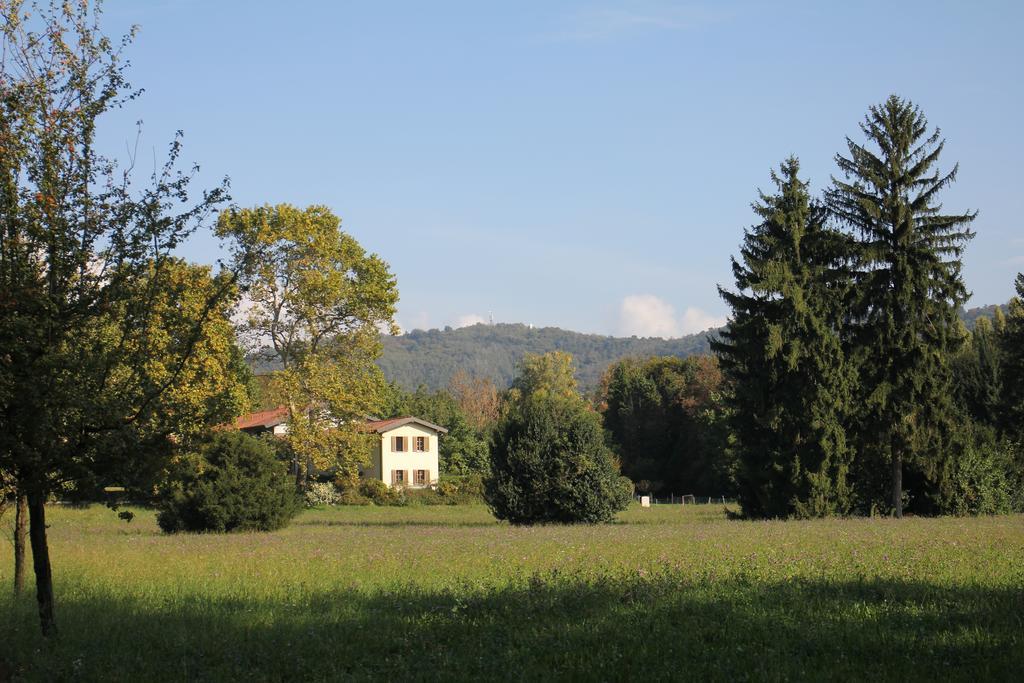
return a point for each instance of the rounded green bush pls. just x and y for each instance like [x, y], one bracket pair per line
[550, 464]
[235, 483]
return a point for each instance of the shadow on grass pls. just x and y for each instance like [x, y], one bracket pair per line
[551, 626]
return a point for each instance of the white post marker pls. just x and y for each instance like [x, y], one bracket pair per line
[645, 501]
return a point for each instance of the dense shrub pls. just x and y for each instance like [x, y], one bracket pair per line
[352, 496]
[234, 483]
[461, 490]
[550, 464]
[427, 497]
[984, 481]
[380, 493]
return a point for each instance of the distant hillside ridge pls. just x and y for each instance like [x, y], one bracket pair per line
[971, 315]
[431, 357]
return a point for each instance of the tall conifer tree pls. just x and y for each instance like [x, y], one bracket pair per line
[783, 353]
[1011, 339]
[977, 373]
[909, 289]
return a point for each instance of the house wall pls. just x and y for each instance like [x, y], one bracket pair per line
[409, 460]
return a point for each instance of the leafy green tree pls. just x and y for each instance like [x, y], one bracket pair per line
[639, 415]
[320, 301]
[790, 382]
[545, 374]
[204, 370]
[905, 326]
[83, 261]
[233, 483]
[549, 461]
[666, 417]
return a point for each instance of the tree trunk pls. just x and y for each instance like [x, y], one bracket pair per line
[897, 485]
[20, 534]
[41, 563]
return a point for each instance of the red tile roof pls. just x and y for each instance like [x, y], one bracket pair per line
[381, 426]
[271, 418]
[266, 418]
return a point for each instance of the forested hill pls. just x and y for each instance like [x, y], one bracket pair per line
[432, 357]
[971, 315]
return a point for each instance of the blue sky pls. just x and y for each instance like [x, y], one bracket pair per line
[588, 165]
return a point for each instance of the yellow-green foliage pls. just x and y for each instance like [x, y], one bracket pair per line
[320, 302]
[439, 592]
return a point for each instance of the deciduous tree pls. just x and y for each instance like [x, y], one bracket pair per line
[547, 374]
[77, 334]
[477, 398]
[666, 416]
[316, 303]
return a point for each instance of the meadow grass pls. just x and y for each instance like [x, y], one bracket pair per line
[448, 593]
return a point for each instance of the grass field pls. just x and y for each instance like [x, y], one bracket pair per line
[446, 592]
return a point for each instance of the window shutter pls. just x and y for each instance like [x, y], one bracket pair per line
[392, 475]
[392, 444]
[426, 443]
[407, 481]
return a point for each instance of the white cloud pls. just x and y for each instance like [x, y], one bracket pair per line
[418, 321]
[646, 315]
[468, 319]
[695, 320]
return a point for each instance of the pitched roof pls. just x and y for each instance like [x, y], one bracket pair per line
[265, 418]
[279, 415]
[381, 426]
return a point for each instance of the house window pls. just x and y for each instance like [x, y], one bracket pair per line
[398, 444]
[421, 477]
[397, 477]
[420, 444]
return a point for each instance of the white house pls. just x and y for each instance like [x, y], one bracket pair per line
[406, 452]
